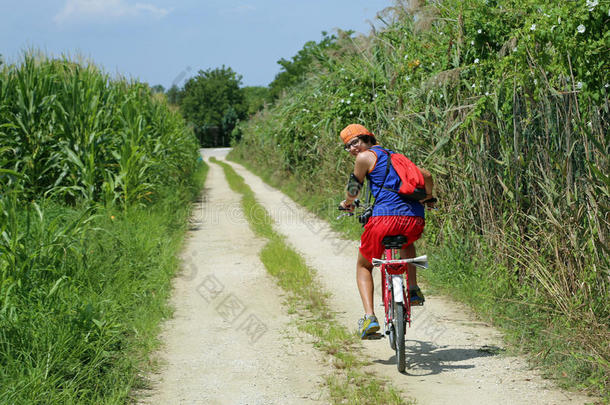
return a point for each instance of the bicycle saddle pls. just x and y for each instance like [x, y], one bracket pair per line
[394, 241]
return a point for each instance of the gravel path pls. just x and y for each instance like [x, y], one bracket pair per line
[452, 358]
[230, 341]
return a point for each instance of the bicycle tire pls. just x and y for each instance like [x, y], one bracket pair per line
[399, 330]
[392, 330]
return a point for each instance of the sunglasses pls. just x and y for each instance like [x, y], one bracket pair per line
[351, 143]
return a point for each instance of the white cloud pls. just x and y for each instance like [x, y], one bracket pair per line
[96, 10]
[245, 8]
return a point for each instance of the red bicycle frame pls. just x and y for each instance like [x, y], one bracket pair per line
[394, 269]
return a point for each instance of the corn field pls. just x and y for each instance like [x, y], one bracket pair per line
[70, 132]
[95, 180]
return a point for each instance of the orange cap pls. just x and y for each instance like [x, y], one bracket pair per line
[353, 130]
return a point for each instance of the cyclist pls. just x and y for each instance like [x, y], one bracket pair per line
[392, 215]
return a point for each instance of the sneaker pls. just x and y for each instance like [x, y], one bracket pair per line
[367, 325]
[417, 297]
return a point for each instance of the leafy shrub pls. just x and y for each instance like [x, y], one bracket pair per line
[506, 103]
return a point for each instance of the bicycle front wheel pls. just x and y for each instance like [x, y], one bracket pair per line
[399, 335]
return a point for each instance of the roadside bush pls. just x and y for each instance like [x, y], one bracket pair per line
[506, 103]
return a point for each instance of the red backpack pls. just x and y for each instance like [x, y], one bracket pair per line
[411, 179]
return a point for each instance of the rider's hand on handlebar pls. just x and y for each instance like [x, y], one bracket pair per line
[429, 202]
[344, 206]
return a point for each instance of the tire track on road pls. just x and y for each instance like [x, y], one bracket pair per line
[451, 356]
[230, 341]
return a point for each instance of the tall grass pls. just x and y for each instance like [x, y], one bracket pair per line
[96, 176]
[74, 133]
[507, 105]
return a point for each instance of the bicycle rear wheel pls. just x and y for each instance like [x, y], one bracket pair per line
[399, 335]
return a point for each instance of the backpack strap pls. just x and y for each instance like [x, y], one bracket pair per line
[387, 171]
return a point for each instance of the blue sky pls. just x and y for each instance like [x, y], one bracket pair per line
[164, 42]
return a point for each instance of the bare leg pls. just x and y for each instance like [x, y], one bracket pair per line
[409, 253]
[364, 278]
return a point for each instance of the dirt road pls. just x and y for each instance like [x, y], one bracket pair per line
[230, 340]
[216, 354]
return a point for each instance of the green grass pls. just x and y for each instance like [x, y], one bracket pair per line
[508, 109]
[94, 285]
[530, 324]
[349, 384]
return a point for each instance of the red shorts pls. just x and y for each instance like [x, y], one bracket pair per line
[379, 227]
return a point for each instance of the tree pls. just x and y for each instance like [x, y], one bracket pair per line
[174, 95]
[157, 88]
[212, 102]
[255, 98]
[294, 71]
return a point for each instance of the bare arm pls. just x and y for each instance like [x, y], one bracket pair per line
[364, 163]
[428, 185]
[428, 182]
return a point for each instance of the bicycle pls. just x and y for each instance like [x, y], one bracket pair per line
[394, 290]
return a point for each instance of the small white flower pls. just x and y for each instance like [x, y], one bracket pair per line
[406, 56]
[433, 64]
[442, 96]
[441, 33]
[607, 85]
[349, 101]
[487, 93]
[375, 96]
[351, 94]
[579, 85]
[342, 101]
[581, 29]
[533, 27]
[515, 49]
[392, 118]
[351, 113]
[476, 60]
[590, 124]
[473, 85]
[407, 78]
[479, 31]
[471, 42]
[591, 4]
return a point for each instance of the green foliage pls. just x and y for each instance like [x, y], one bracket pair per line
[158, 88]
[255, 98]
[95, 179]
[506, 103]
[82, 295]
[73, 133]
[174, 95]
[295, 70]
[212, 102]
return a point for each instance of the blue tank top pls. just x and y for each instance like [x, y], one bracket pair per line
[389, 203]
